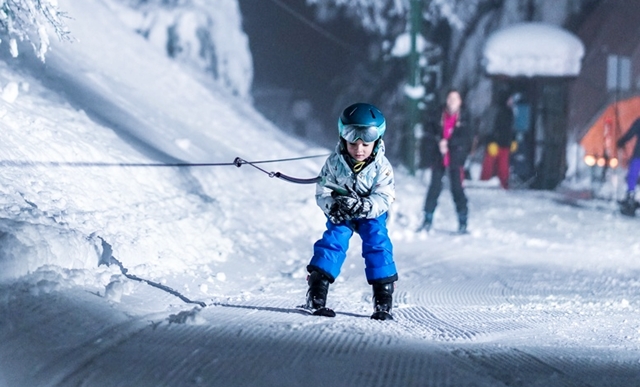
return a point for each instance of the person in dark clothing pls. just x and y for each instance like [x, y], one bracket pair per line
[500, 144]
[629, 204]
[448, 142]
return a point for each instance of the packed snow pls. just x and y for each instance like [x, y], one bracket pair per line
[533, 49]
[136, 275]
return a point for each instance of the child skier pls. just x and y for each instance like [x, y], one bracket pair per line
[359, 165]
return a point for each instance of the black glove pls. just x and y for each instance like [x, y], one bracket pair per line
[336, 215]
[352, 205]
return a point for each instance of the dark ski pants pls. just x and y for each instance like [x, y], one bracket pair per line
[456, 176]
[330, 252]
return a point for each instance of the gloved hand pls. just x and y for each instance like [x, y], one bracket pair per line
[492, 149]
[336, 215]
[443, 146]
[352, 205]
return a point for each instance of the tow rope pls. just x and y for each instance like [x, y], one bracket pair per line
[238, 162]
[160, 286]
[313, 180]
[108, 259]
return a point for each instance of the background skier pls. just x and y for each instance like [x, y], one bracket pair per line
[448, 142]
[500, 143]
[629, 205]
[358, 163]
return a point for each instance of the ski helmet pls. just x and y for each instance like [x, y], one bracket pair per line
[361, 121]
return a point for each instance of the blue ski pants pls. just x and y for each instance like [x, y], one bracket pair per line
[330, 252]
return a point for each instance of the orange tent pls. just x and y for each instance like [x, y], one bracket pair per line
[600, 140]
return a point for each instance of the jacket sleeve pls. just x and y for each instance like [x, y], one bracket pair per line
[323, 194]
[383, 191]
[462, 136]
[432, 131]
[634, 130]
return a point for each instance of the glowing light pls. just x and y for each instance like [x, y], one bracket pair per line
[613, 163]
[602, 162]
[590, 160]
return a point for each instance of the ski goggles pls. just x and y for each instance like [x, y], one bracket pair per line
[353, 133]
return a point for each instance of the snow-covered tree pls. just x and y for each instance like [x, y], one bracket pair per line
[379, 16]
[28, 20]
[203, 34]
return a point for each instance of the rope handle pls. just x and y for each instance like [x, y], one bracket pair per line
[318, 179]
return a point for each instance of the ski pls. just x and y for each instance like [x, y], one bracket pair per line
[324, 312]
[446, 232]
[328, 312]
[381, 315]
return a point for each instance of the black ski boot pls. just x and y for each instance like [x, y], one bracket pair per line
[629, 205]
[426, 223]
[462, 222]
[382, 301]
[317, 294]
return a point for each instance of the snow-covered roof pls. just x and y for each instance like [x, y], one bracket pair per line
[533, 49]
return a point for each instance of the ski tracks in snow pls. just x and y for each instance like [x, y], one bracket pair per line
[455, 325]
[458, 322]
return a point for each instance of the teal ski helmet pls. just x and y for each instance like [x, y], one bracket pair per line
[361, 121]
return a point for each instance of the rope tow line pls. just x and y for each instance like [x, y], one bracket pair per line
[154, 284]
[238, 162]
[108, 259]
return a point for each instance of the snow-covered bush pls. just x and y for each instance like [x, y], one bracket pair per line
[27, 20]
[204, 34]
[379, 16]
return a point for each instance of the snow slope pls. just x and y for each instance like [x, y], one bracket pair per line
[151, 103]
[543, 291]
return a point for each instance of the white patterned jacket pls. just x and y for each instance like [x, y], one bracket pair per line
[374, 183]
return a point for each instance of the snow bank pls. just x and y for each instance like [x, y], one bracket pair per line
[56, 215]
[85, 105]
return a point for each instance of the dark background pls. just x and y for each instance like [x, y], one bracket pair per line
[299, 61]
